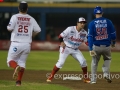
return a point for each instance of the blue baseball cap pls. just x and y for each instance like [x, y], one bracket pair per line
[98, 10]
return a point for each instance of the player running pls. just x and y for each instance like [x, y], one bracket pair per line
[101, 34]
[22, 27]
[71, 38]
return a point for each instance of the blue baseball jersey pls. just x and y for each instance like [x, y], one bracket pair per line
[100, 32]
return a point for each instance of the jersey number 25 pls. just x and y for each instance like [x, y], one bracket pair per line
[23, 29]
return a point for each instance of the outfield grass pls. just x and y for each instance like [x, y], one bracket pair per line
[45, 60]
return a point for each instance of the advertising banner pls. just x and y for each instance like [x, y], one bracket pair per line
[38, 45]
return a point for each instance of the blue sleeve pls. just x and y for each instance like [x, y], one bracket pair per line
[113, 31]
[90, 36]
[90, 43]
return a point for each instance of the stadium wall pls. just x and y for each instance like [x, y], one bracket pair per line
[51, 46]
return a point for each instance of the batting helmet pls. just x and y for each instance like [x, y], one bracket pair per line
[98, 10]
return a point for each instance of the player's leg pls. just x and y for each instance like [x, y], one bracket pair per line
[94, 64]
[63, 54]
[12, 63]
[106, 64]
[22, 63]
[12, 59]
[13, 55]
[80, 58]
[20, 74]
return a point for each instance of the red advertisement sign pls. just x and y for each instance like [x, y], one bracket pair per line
[1, 0]
[38, 45]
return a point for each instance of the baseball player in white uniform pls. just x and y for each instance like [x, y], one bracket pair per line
[71, 38]
[22, 27]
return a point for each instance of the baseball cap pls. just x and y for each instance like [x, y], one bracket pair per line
[81, 19]
[23, 6]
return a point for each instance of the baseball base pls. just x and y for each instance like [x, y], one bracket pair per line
[72, 78]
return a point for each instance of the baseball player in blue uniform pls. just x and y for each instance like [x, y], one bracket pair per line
[101, 35]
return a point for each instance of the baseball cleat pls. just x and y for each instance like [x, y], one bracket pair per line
[92, 82]
[108, 79]
[18, 83]
[48, 80]
[87, 80]
[16, 71]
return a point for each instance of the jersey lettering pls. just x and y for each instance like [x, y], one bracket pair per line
[82, 35]
[23, 23]
[75, 39]
[102, 33]
[23, 19]
[74, 44]
[101, 29]
[101, 37]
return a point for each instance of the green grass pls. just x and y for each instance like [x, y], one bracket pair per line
[9, 85]
[45, 60]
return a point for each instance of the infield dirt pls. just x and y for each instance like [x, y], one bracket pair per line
[40, 77]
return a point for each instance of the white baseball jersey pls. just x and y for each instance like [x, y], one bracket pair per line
[72, 38]
[22, 27]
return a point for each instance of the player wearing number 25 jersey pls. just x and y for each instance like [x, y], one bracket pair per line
[22, 27]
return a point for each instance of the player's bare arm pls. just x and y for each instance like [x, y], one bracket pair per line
[63, 44]
[35, 33]
[9, 30]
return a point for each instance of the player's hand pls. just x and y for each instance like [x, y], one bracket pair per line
[112, 45]
[63, 44]
[92, 53]
[86, 43]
